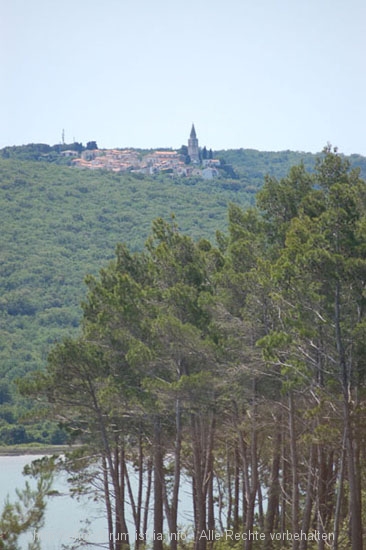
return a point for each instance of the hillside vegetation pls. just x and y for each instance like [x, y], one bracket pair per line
[59, 224]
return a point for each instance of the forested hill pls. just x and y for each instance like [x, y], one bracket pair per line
[253, 165]
[59, 223]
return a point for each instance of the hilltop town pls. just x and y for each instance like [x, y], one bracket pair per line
[188, 162]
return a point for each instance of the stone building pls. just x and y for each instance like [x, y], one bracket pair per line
[193, 150]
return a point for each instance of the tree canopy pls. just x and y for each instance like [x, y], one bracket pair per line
[239, 364]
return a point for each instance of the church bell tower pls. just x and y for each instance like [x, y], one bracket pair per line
[193, 150]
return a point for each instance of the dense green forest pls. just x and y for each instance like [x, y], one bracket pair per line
[238, 363]
[59, 224]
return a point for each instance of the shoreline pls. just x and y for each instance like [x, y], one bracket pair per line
[18, 450]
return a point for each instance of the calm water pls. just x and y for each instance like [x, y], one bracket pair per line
[64, 515]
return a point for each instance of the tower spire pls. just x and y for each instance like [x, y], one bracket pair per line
[193, 149]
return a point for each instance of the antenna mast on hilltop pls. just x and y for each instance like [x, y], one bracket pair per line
[63, 137]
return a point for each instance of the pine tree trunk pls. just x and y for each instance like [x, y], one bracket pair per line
[322, 483]
[202, 472]
[158, 487]
[147, 497]
[306, 517]
[338, 506]
[353, 473]
[294, 472]
[108, 505]
[139, 496]
[177, 471]
[236, 512]
[274, 491]
[353, 479]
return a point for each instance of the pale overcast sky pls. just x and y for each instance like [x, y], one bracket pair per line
[260, 74]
